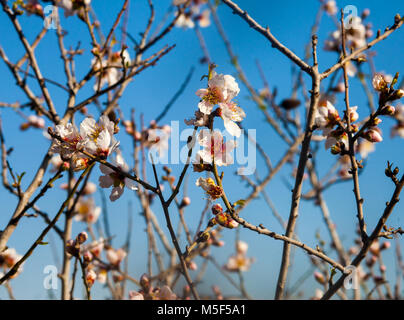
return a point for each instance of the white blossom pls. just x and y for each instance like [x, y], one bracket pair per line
[114, 179]
[221, 89]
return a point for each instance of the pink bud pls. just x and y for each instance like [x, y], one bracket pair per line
[373, 135]
[365, 13]
[185, 202]
[388, 110]
[385, 245]
[192, 266]
[319, 277]
[340, 87]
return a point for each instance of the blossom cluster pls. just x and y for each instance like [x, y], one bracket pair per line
[221, 91]
[95, 138]
[8, 258]
[187, 19]
[92, 254]
[109, 66]
[148, 292]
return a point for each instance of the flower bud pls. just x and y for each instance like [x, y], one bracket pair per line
[385, 245]
[25, 126]
[388, 111]
[340, 87]
[365, 13]
[71, 247]
[118, 278]
[203, 236]
[216, 209]
[87, 256]
[376, 121]
[330, 7]
[379, 82]
[398, 94]
[192, 265]
[186, 201]
[373, 135]
[145, 282]
[319, 277]
[82, 237]
[375, 248]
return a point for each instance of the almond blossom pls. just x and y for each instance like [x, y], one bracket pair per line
[72, 6]
[356, 34]
[98, 137]
[204, 19]
[331, 7]
[214, 148]
[209, 186]
[379, 82]
[326, 117]
[353, 115]
[365, 147]
[221, 89]
[86, 211]
[231, 113]
[8, 258]
[109, 68]
[71, 136]
[115, 257]
[337, 136]
[239, 262]
[116, 179]
[185, 21]
[90, 277]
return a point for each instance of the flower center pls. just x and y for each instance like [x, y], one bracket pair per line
[213, 96]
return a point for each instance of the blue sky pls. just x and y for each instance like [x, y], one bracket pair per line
[290, 22]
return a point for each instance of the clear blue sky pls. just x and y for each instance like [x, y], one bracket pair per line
[290, 22]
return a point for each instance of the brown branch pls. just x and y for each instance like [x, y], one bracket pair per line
[397, 24]
[374, 235]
